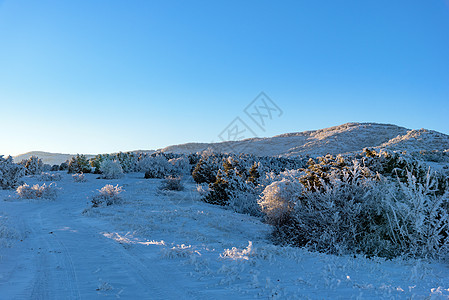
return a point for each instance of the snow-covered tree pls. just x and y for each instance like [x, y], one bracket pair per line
[180, 165]
[205, 170]
[33, 165]
[156, 166]
[10, 173]
[79, 164]
[111, 169]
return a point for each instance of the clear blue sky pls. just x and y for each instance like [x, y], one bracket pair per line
[105, 76]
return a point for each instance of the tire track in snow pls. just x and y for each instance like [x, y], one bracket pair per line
[54, 259]
[148, 274]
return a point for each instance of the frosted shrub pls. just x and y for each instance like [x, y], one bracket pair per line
[108, 195]
[37, 191]
[202, 189]
[10, 173]
[342, 217]
[180, 165]
[352, 213]
[417, 218]
[111, 169]
[33, 165]
[50, 177]
[244, 202]
[156, 166]
[278, 200]
[242, 195]
[172, 184]
[79, 177]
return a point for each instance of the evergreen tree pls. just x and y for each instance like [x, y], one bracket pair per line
[79, 164]
[204, 171]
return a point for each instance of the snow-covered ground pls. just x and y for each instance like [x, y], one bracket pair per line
[169, 245]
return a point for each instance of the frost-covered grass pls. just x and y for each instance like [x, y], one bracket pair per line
[79, 177]
[54, 176]
[172, 184]
[8, 234]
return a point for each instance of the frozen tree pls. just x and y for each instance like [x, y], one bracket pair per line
[79, 164]
[156, 166]
[33, 165]
[205, 170]
[180, 165]
[111, 169]
[10, 173]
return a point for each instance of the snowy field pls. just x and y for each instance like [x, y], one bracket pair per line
[170, 245]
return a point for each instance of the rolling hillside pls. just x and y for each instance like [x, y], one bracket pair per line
[349, 137]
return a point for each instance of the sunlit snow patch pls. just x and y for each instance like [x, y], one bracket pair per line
[128, 238]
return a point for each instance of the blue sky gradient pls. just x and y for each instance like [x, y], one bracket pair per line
[107, 76]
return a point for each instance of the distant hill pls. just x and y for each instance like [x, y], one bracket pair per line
[349, 137]
[47, 157]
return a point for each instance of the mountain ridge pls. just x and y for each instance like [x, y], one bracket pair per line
[345, 138]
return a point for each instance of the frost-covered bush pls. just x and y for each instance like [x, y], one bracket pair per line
[172, 184]
[10, 173]
[180, 165]
[64, 166]
[202, 189]
[108, 195]
[33, 165]
[235, 184]
[350, 212]
[156, 166]
[111, 169]
[244, 201]
[79, 177]
[50, 176]
[278, 200]
[242, 194]
[79, 164]
[37, 191]
[418, 218]
[232, 190]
